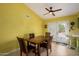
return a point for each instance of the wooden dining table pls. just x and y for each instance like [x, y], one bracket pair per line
[37, 41]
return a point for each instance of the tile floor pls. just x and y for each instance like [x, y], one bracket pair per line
[57, 50]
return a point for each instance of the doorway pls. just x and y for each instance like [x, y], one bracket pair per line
[59, 31]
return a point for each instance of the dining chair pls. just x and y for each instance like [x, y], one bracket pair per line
[22, 45]
[25, 49]
[31, 36]
[30, 45]
[47, 43]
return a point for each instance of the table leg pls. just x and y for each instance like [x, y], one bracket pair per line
[38, 49]
[47, 48]
[27, 45]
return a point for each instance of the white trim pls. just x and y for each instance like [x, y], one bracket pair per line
[4, 54]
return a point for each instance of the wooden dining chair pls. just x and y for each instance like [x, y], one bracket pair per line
[25, 49]
[47, 43]
[30, 45]
[22, 45]
[47, 35]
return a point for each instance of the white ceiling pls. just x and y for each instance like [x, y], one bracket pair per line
[67, 9]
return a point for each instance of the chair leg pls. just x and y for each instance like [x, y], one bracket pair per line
[27, 53]
[38, 50]
[50, 48]
[47, 49]
[20, 52]
[35, 53]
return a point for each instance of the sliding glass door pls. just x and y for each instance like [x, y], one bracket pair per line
[59, 30]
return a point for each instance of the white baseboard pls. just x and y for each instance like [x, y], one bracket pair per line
[4, 54]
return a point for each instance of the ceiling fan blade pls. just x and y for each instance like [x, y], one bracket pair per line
[57, 10]
[53, 14]
[47, 9]
[46, 13]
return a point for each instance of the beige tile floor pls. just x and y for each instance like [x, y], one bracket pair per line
[57, 50]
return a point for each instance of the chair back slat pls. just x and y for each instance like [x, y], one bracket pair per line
[22, 44]
[31, 35]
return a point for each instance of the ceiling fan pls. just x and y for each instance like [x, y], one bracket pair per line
[51, 11]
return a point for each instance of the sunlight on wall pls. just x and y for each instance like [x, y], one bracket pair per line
[16, 19]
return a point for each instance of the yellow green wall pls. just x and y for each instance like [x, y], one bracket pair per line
[14, 22]
[69, 18]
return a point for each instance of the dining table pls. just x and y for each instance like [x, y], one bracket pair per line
[37, 41]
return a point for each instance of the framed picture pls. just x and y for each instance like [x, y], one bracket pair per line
[45, 26]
